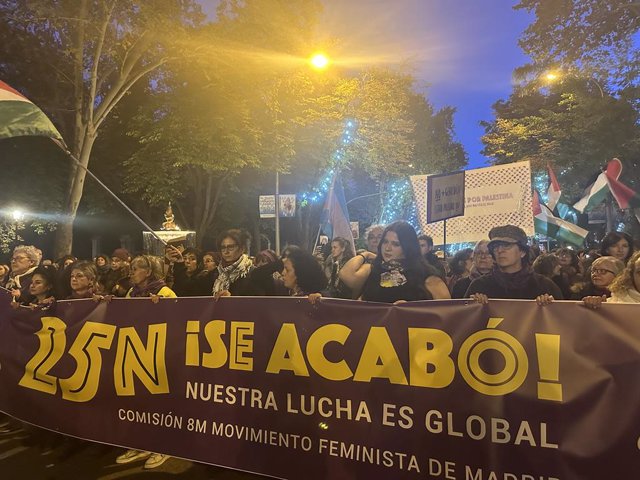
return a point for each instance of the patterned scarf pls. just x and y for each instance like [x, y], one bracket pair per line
[149, 289]
[229, 274]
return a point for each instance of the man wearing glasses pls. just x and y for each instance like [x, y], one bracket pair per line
[24, 261]
[513, 277]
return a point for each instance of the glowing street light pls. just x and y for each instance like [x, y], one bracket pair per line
[17, 215]
[552, 77]
[319, 61]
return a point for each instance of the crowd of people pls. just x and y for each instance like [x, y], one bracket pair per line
[396, 266]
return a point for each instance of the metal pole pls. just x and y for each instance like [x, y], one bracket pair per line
[64, 148]
[444, 237]
[277, 213]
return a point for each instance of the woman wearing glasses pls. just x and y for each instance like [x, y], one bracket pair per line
[603, 271]
[24, 261]
[237, 274]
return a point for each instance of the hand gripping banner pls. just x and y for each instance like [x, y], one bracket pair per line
[343, 389]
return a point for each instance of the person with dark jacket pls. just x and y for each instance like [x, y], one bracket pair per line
[190, 279]
[482, 265]
[24, 261]
[512, 276]
[426, 249]
[237, 275]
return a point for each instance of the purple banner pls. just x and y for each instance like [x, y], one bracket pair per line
[343, 389]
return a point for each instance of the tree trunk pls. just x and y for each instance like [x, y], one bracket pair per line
[64, 233]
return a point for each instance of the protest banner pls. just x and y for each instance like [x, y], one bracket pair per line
[344, 389]
[497, 195]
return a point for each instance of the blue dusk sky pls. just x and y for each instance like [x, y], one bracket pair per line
[462, 52]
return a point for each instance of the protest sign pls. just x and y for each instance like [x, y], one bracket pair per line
[345, 389]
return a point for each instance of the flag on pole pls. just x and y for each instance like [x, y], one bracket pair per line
[554, 192]
[597, 191]
[20, 117]
[625, 196]
[546, 223]
[335, 215]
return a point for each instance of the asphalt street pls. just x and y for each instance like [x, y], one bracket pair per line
[28, 454]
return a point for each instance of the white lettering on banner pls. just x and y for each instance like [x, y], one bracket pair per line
[371, 455]
[480, 474]
[498, 430]
[261, 435]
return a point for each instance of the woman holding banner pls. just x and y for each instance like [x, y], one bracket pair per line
[147, 279]
[397, 273]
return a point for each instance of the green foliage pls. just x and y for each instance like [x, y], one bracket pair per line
[594, 36]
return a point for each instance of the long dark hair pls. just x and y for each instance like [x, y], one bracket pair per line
[612, 238]
[408, 241]
[309, 274]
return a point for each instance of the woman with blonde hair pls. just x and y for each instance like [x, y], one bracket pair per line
[148, 281]
[625, 288]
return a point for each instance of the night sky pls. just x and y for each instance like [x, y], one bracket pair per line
[463, 52]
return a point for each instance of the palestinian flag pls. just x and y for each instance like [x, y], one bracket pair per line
[20, 117]
[597, 191]
[547, 224]
[554, 192]
[626, 197]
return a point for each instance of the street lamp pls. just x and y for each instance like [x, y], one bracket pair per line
[553, 76]
[17, 215]
[318, 61]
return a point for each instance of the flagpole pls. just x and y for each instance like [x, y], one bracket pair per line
[66, 150]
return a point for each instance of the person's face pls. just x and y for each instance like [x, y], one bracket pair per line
[468, 263]
[564, 258]
[209, 263]
[39, 285]
[636, 275]
[230, 250]
[620, 250]
[117, 263]
[101, 261]
[508, 257]
[139, 275]
[20, 263]
[391, 248]
[79, 281]
[482, 258]
[373, 240]
[336, 249]
[424, 247]
[68, 262]
[289, 275]
[190, 262]
[601, 277]
[3, 271]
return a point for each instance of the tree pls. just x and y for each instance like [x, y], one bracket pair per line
[106, 47]
[593, 36]
[569, 127]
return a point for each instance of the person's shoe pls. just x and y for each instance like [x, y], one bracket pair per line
[155, 460]
[132, 455]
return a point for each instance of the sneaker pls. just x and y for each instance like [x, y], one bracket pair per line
[155, 460]
[132, 455]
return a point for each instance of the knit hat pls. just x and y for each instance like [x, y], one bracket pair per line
[121, 253]
[612, 264]
[507, 234]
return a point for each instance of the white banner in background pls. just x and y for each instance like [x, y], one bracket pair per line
[497, 195]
